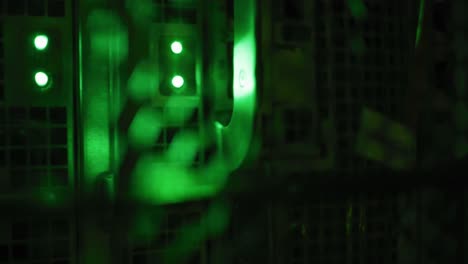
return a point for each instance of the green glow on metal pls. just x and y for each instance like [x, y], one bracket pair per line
[420, 22]
[41, 79]
[41, 42]
[177, 81]
[177, 47]
[236, 137]
[163, 178]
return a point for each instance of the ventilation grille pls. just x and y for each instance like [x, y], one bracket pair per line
[362, 63]
[298, 125]
[356, 63]
[33, 153]
[152, 250]
[336, 231]
[175, 12]
[35, 241]
[48, 8]
[33, 147]
[292, 27]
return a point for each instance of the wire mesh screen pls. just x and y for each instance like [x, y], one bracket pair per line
[50, 8]
[34, 149]
[37, 240]
[333, 228]
[170, 226]
[34, 155]
[167, 11]
[357, 62]
[363, 62]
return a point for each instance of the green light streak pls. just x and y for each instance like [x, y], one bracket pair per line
[96, 138]
[420, 22]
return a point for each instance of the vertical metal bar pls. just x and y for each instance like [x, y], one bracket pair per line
[110, 105]
[93, 239]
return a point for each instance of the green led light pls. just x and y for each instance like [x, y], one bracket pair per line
[41, 42]
[41, 79]
[177, 81]
[176, 47]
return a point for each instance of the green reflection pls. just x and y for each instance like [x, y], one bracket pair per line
[420, 22]
[236, 137]
[167, 178]
[96, 137]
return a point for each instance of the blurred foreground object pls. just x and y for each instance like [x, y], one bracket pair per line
[385, 141]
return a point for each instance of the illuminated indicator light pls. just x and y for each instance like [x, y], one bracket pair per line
[41, 42]
[176, 47]
[41, 79]
[177, 81]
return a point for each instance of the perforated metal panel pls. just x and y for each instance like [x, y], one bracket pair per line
[48, 8]
[364, 62]
[355, 63]
[34, 149]
[36, 240]
[35, 157]
[174, 11]
[336, 228]
[170, 226]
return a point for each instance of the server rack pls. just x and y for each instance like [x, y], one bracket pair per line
[320, 43]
